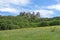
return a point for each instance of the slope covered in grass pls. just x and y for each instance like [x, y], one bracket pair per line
[39, 33]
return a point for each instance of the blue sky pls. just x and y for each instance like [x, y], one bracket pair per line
[47, 8]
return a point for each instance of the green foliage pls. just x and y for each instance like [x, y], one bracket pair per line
[44, 23]
[26, 20]
[55, 22]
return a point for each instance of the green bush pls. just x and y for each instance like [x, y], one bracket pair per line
[55, 22]
[15, 22]
[44, 23]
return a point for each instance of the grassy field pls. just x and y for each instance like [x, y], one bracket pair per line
[39, 33]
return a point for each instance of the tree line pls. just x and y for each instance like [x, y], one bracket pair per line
[26, 20]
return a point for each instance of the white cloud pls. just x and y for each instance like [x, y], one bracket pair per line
[11, 10]
[5, 5]
[45, 13]
[55, 7]
[16, 2]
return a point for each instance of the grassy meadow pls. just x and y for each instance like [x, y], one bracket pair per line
[39, 33]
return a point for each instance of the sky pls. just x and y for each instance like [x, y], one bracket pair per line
[47, 8]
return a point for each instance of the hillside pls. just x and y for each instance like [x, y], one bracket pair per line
[39, 33]
[26, 20]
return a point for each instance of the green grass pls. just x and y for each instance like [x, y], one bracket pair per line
[39, 33]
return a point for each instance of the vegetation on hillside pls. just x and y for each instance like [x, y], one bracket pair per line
[25, 20]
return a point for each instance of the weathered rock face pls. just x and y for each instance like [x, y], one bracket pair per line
[30, 15]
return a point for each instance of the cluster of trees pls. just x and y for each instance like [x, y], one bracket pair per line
[25, 20]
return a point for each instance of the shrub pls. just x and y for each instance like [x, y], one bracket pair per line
[44, 23]
[55, 22]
